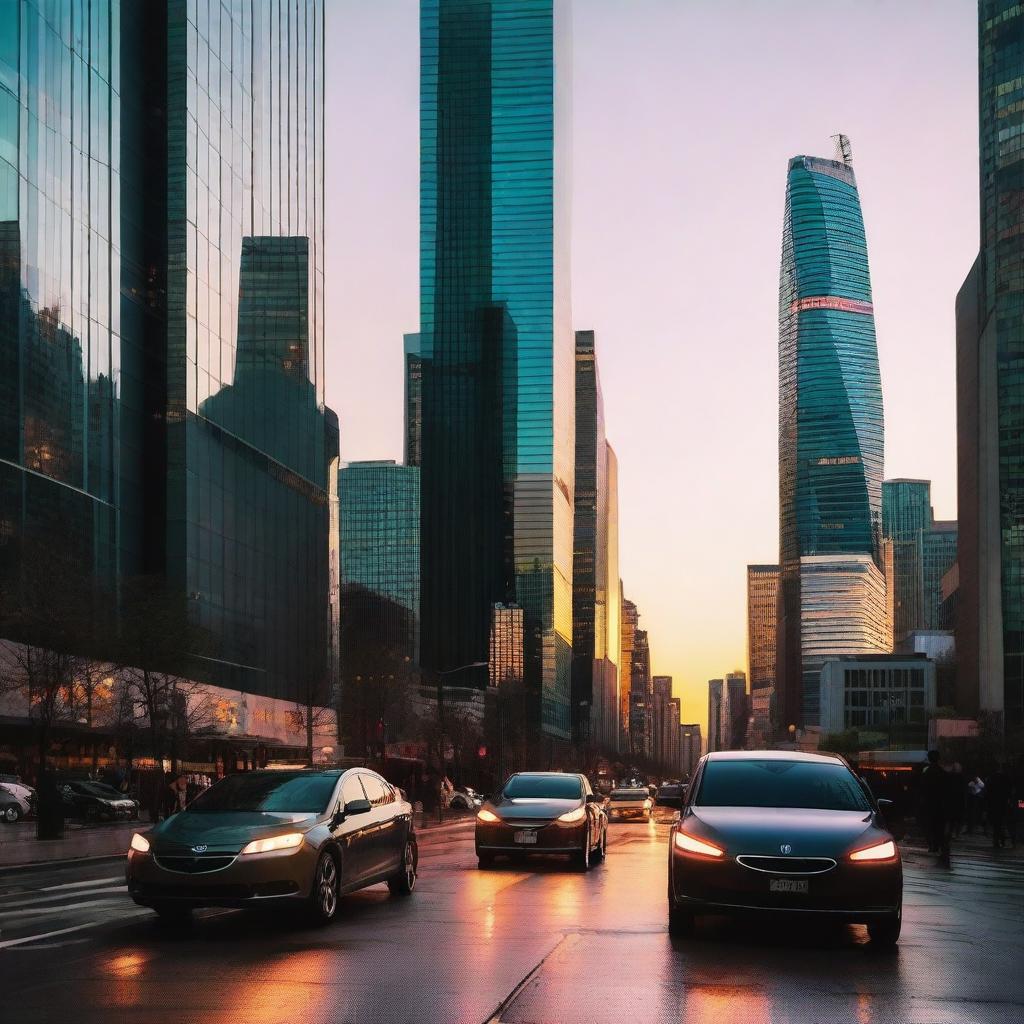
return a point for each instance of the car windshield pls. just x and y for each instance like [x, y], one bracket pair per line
[771, 783]
[290, 792]
[97, 789]
[544, 787]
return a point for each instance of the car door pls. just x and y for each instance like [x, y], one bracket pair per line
[354, 834]
[386, 845]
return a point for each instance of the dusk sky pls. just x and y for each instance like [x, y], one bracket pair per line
[685, 114]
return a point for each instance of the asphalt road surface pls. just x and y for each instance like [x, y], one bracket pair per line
[541, 945]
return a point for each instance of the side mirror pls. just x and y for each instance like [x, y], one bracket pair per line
[884, 803]
[357, 807]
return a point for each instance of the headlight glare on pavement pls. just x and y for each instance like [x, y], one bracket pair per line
[691, 844]
[486, 815]
[572, 816]
[880, 851]
[285, 842]
[140, 844]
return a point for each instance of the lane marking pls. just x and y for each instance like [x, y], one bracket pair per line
[79, 885]
[67, 931]
[54, 900]
[61, 907]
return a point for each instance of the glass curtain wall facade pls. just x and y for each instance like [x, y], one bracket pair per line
[990, 399]
[629, 622]
[906, 519]
[613, 600]
[940, 551]
[715, 719]
[762, 624]
[640, 696]
[248, 443]
[60, 266]
[496, 338]
[413, 400]
[831, 434]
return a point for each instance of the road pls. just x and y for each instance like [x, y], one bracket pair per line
[547, 945]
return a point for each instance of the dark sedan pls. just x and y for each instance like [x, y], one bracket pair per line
[292, 837]
[543, 812]
[769, 832]
[96, 801]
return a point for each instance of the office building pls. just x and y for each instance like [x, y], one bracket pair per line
[716, 729]
[630, 619]
[690, 748]
[990, 395]
[506, 657]
[830, 414]
[661, 742]
[673, 741]
[762, 635]
[595, 563]
[940, 552]
[735, 712]
[498, 447]
[906, 519]
[640, 696]
[413, 405]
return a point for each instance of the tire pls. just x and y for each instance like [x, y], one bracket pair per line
[886, 933]
[602, 848]
[11, 813]
[323, 893]
[680, 922]
[403, 883]
[173, 915]
[484, 860]
[582, 859]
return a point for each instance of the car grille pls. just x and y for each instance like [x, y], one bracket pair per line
[195, 865]
[526, 822]
[788, 865]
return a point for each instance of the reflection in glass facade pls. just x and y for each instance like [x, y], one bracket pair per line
[940, 551]
[496, 338]
[60, 343]
[830, 402]
[762, 629]
[906, 518]
[413, 400]
[380, 569]
[990, 399]
[505, 663]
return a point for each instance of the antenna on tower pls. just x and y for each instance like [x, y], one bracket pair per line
[844, 151]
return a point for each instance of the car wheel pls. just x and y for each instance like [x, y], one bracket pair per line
[484, 860]
[173, 914]
[680, 922]
[583, 857]
[12, 813]
[403, 883]
[323, 896]
[886, 933]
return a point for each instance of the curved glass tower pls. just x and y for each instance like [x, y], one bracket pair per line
[830, 418]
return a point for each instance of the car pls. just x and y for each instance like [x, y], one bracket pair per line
[465, 799]
[12, 808]
[13, 784]
[668, 800]
[543, 813]
[629, 802]
[783, 833]
[96, 801]
[299, 838]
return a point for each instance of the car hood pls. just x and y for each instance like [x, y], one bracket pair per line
[229, 830]
[533, 808]
[764, 830]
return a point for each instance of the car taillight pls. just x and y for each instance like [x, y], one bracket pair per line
[880, 851]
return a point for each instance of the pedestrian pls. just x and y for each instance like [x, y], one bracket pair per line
[998, 790]
[935, 804]
[976, 805]
[957, 799]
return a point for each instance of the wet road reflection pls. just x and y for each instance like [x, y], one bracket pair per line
[531, 943]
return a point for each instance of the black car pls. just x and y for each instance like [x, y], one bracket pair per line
[96, 801]
[771, 832]
[298, 838]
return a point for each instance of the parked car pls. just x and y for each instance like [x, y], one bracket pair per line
[629, 802]
[668, 800]
[299, 837]
[466, 799]
[784, 833]
[96, 801]
[13, 784]
[12, 808]
[543, 812]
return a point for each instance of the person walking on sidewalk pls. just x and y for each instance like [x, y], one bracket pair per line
[999, 789]
[936, 799]
[976, 806]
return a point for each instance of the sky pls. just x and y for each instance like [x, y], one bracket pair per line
[685, 113]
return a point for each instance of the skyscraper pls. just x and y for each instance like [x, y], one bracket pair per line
[830, 409]
[413, 400]
[906, 518]
[716, 695]
[661, 694]
[735, 713]
[762, 629]
[630, 621]
[496, 340]
[990, 395]
[691, 748]
[640, 693]
[940, 552]
[595, 562]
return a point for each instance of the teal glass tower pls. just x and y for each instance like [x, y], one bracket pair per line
[831, 439]
[60, 267]
[496, 340]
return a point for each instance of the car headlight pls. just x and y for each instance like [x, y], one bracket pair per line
[880, 851]
[486, 815]
[140, 844]
[573, 816]
[691, 844]
[285, 842]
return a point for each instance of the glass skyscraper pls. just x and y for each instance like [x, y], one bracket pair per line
[830, 404]
[496, 339]
[990, 392]
[762, 629]
[413, 399]
[906, 519]
[60, 283]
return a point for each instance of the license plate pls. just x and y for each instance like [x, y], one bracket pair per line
[796, 885]
[525, 837]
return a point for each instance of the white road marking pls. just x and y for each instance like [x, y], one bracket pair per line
[80, 885]
[59, 908]
[25, 901]
[66, 931]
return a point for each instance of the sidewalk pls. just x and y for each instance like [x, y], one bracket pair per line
[974, 847]
[20, 848]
